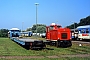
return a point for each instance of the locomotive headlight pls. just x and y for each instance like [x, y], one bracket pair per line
[58, 38]
[58, 32]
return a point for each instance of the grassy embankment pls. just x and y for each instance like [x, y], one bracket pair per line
[10, 48]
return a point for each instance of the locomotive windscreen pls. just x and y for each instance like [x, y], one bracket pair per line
[63, 35]
[15, 35]
[58, 26]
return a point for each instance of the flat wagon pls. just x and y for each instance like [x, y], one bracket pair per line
[14, 34]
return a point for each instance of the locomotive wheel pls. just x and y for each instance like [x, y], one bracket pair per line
[57, 43]
[51, 43]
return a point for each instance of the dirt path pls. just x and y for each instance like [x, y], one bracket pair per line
[28, 57]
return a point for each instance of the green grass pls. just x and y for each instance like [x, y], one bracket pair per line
[67, 58]
[10, 48]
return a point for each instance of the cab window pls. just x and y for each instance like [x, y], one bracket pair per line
[87, 31]
[58, 26]
[82, 31]
[79, 31]
[51, 27]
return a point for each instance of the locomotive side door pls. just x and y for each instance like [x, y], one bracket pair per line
[47, 33]
[54, 35]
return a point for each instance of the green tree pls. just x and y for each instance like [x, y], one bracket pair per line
[33, 28]
[83, 21]
[4, 32]
[72, 26]
[41, 28]
[29, 29]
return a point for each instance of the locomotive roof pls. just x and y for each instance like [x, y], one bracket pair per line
[14, 29]
[86, 26]
[53, 24]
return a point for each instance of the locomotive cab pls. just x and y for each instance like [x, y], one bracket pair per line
[58, 35]
[14, 32]
[54, 26]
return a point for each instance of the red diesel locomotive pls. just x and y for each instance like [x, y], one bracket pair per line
[58, 36]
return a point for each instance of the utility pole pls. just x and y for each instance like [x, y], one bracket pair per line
[36, 18]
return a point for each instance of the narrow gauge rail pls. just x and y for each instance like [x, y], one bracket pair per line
[30, 43]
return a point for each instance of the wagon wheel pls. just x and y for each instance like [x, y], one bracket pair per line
[31, 47]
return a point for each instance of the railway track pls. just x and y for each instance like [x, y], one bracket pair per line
[83, 42]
